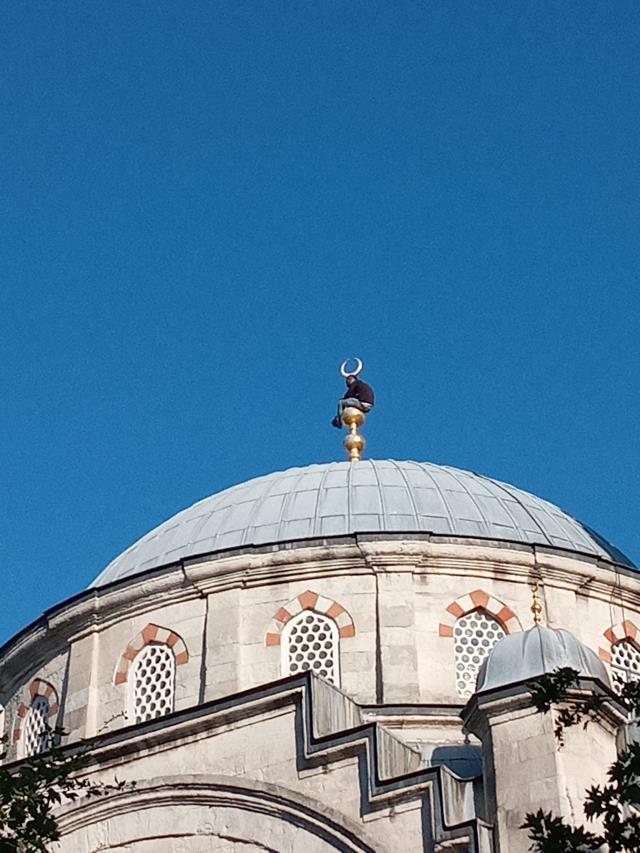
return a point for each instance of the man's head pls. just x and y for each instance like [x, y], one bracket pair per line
[350, 380]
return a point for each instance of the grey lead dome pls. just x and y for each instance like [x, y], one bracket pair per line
[340, 498]
[538, 651]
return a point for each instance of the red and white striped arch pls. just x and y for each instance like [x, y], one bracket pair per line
[626, 630]
[38, 687]
[150, 634]
[476, 600]
[309, 600]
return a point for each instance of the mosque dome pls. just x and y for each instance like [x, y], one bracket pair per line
[538, 651]
[340, 498]
[352, 602]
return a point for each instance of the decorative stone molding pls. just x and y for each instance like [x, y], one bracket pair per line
[626, 630]
[38, 687]
[327, 728]
[478, 600]
[309, 600]
[150, 634]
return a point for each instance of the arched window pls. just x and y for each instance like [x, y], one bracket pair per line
[310, 641]
[625, 662]
[36, 727]
[474, 635]
[152, 682]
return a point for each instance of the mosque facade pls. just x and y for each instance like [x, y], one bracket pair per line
[332, 658]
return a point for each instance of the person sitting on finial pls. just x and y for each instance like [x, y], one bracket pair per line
[358, 395]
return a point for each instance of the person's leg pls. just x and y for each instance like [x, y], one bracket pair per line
[349, 402]
[352, 403]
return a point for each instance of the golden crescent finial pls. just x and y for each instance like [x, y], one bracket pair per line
[352, 417]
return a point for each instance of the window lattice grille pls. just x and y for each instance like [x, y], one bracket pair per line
[474, 635]
[153, 682]
[312, 643]
[35, 727]
[625, 662]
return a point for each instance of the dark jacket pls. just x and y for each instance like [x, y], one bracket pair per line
[361, 391]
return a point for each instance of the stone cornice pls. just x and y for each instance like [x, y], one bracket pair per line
[515, 700]
[215, 791]
[364, 554]
[390, 775]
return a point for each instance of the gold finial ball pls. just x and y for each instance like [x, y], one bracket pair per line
[353, 417]
[354, 444]
[536, 607]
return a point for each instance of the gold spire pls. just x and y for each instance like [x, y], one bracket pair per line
[351, 417]
[536, 607]
[354, 443]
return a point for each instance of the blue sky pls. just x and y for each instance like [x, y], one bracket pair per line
[205, 206]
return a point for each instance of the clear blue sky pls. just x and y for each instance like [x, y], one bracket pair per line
[205, 206]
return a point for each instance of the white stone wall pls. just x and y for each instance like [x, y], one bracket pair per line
[233, 781]
[525, 768]
[401, 597]
[18, 700]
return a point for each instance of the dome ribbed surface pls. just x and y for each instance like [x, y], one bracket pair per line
[340, 498]
[535, 652]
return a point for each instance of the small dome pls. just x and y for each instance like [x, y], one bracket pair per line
[535, 652]
[340, 498]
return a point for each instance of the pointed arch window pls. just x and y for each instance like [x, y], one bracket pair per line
[152, 682]
[474, 635]
[36, 727]
[311, 642]
[625, 662]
